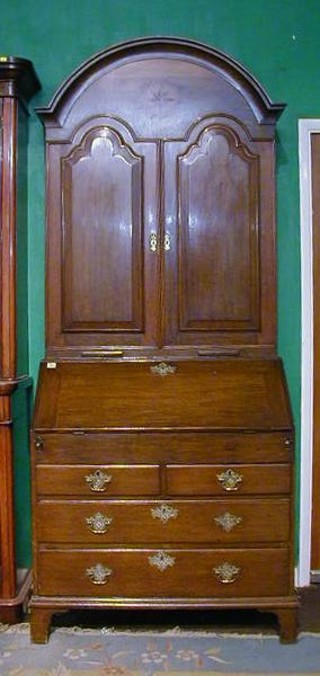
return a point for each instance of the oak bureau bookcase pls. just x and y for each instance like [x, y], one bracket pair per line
[162, 439]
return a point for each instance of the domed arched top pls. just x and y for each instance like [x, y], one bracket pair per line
[170, 48]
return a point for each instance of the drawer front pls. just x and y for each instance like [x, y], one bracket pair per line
[91, 480]
[164, 573]
[214, 447]
[193, 521]
[228, 479]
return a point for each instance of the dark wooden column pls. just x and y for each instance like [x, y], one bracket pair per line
[18, 82]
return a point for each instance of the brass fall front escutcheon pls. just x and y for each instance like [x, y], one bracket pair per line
[38, 442]
[163, 369]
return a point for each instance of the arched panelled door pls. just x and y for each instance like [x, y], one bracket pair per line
[160, 205]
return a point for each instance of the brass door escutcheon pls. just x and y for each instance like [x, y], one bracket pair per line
[153, 242]
[167, 241]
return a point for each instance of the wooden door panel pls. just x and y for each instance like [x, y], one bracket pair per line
[98, 235]
[102, 228]
[215, 281]
[218, 257]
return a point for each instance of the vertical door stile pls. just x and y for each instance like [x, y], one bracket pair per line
[170, 242]
[161, 234]
[151, 242]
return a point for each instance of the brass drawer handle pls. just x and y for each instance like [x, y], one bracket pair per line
[98, 523]
[98, 574]
[163, 369]
[164, 512]
[230, 480]
[98, 481]
[161, 560]
[228, 521]
[227, 573]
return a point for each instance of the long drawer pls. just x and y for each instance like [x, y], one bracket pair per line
[166, 447]
[164, 573]
[212, 521]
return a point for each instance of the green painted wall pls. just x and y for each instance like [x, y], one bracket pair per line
[277, 41]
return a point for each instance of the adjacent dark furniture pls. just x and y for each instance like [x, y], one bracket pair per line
[18, 82]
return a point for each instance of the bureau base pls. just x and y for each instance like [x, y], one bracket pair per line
[286, 610]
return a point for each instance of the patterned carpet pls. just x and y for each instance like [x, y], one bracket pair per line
[102, 652]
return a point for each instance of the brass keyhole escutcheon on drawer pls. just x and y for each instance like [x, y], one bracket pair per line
[230, 480]
[161, 560]
[227, 521]
[98, 481]
[98, 523]
[227, 573]
[98, 574]
[164, 512]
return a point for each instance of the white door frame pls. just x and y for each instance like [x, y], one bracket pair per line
[307, 127]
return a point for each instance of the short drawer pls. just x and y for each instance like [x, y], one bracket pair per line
[229, 480]
[189, 521]
[164, 573]
[85, 480]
